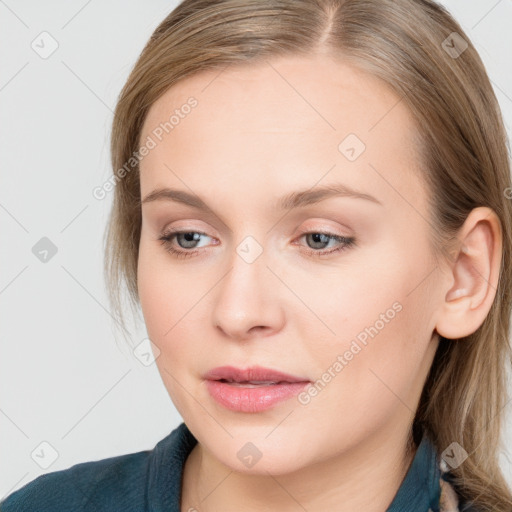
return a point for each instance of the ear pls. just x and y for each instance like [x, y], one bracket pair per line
[471, 282]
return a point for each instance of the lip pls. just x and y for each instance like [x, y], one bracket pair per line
[243, 398]
[254, 373]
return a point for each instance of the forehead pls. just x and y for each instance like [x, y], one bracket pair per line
[286, 119]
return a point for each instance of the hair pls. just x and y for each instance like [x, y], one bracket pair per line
[464, 157]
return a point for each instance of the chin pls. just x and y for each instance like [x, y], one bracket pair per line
[261, 456]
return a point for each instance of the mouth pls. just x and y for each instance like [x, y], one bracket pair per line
[255, 375]
[252, 384]
[253, 389]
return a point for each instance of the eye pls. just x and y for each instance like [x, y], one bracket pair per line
[319, 238]
[188, 240]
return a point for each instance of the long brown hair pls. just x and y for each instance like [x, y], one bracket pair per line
[410, 45]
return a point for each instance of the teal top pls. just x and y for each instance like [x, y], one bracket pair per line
[151, 481]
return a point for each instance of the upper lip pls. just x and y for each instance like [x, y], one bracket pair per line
[252, 374]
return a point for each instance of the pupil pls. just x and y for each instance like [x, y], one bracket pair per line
[320, 238]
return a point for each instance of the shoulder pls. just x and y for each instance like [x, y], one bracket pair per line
[136, 482]
[108, 484]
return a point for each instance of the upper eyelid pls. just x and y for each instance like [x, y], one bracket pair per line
[313, 229]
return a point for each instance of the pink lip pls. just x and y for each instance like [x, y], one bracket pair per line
[251, 399]
[254, 373]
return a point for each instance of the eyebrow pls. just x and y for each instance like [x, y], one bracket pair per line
[290, 201]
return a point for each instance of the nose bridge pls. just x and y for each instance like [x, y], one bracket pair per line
[242, 286]
[245, 297]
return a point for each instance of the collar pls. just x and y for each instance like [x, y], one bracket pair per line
[420, 489]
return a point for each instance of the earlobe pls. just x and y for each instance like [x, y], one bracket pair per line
[473, 276]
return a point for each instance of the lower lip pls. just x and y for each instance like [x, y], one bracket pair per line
[255, 399]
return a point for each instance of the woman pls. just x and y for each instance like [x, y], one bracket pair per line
[312, 208]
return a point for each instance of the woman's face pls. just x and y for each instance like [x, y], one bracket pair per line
[258, 284]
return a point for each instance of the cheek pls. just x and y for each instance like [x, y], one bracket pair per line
[169, 297]
[166, 301]
[376, 317]
[163, 289]
[157, 296]
[370, 383]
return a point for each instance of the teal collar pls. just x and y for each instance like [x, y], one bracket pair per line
[420, 489]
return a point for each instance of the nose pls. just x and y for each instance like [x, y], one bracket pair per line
[247, 302]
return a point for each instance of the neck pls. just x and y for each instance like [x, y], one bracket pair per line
[365, 477]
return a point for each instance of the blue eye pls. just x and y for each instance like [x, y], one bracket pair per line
[190, 238]
[318, 237]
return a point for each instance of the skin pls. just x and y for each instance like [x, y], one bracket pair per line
[259, 132]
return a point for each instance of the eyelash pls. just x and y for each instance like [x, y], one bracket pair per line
[347, 242]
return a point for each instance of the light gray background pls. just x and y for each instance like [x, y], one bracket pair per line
[64, 380]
